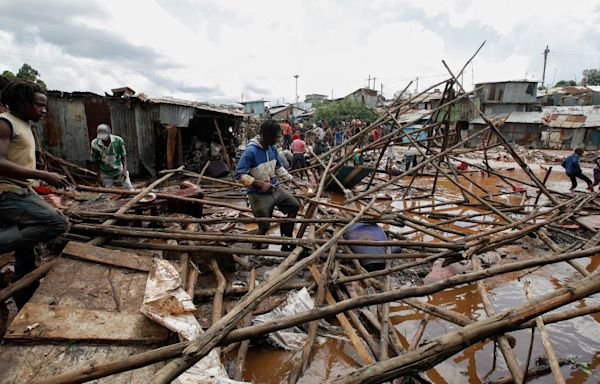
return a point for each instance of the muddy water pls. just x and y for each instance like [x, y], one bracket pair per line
[577, 338]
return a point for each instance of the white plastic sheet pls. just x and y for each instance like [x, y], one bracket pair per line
[168, 304]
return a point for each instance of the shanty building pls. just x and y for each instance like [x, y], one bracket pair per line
[254, 107]
[572, 127]
[369, 97]
[507, 96]
[286, 112]
[570, 96]
[159, 133]
[522, 128]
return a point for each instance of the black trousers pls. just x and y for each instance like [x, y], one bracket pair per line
[578, 175]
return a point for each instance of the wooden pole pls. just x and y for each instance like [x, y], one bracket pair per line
[240, 362]
[550, 354]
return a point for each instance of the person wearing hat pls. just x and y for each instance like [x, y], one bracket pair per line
[110, 157]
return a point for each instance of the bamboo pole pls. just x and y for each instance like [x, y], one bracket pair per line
[26, 280]
[505, 348]
[240, 361]
[550, 354]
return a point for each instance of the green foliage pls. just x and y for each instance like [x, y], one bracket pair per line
[27, 73]
[591, 77]
[566, 83]
[9, 75]
[345, 109]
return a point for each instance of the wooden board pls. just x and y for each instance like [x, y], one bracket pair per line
[85, 285]
[51, 322]
[107, 256]
[22, 363]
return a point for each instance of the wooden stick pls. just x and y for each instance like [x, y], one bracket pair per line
[192, 279]
[26, 280]
[505, 348]
[385, 316]
[217, 311]
[225, 154]
[244, 345]
[161, 195]
[186, 235]
[550, 354]
[419, 333]
[313, 326]
[136, 199]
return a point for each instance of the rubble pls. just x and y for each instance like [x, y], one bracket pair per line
[177, 254]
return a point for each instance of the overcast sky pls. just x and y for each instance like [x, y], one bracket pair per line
[218, 50]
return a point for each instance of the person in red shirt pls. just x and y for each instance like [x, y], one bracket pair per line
[298, 149]
[286, 130]
[376, 134]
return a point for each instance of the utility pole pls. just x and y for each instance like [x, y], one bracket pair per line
[545, 53]
[369, 82]
[374, 78]
[332, 94]
[381, 89]
[417, 85]
[242, 96]
[296, 77]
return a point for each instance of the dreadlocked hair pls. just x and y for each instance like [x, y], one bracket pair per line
[19, 92]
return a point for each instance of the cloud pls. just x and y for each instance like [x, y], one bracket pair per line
[216, 50]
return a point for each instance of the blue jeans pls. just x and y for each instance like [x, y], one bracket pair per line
[26, 219]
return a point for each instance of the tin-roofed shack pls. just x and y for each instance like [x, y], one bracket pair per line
[552, 128]
[159, 132]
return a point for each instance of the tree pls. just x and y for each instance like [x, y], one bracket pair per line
[566, 83]
[27, 73]
[591, 77]
[345, 109]
[9, 75]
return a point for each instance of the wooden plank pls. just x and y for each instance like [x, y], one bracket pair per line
[63, 323]
[108, 256]
[23, 363]
[344, 322]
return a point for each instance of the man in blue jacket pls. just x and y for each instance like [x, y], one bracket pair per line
[573, 170]
[258, 170]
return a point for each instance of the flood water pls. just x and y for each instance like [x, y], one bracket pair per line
[578, 338]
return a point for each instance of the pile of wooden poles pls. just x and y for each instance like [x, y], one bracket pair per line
[343, 288]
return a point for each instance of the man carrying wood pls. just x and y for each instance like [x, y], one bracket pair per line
[110, 157]
[258, 169]
[27, 219]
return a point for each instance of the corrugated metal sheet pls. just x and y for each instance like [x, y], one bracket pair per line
[196, 104]
[123, 118]
[513, 117]
[174, 114]
[145, 116]
[64, 130]
[508, 92]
